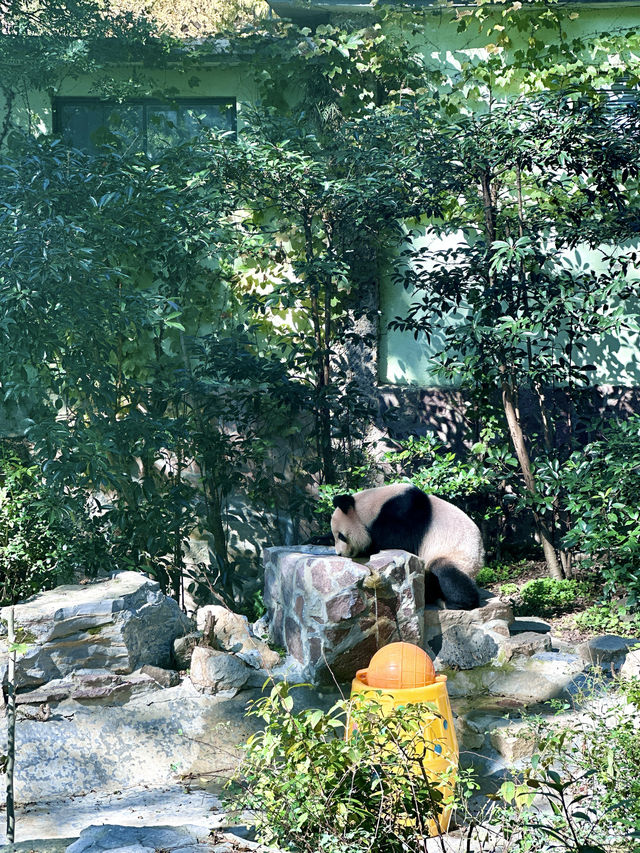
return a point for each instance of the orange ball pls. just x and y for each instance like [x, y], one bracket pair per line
[400, 665]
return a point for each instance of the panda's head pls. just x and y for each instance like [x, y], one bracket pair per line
[349, 532]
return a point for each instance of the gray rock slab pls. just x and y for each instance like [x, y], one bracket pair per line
[544, 676]
[232, 633]
[183, 648]
[98, 686]
[39, 845]
[153, 739]
[117, 624]
[140, 839]
[217, 672]
[527, 643]
[606, 649]
[174, 805]
[466, 646]
[631, 666]
[530, 623]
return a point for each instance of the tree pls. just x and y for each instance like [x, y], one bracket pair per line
[532, 177]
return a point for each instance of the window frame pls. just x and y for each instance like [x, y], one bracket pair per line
[60, 101]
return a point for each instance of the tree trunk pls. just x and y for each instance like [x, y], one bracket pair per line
[517, 437]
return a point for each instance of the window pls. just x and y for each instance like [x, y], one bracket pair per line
[150, 126]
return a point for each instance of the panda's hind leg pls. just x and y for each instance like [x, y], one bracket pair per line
[453, 586]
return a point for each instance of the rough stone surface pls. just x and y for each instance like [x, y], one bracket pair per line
[465, 639]
[608, 649]
[513, 741]
[118, 624]
[213, 671]
[531, 623]
[99, 686]
[151, 739]
[139, 839]
[465, 647]
[546, 675]
[332, 614]
[527, 644]
[631, 666]
[183, 648]
[231, 633]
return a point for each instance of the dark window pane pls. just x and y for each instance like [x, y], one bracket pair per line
[162, 128]
[210, 116]
[139, 125]
[126, 124]
[78, 123]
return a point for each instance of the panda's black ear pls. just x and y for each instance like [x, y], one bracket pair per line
[344, 502]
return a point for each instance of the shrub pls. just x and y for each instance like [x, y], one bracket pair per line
[579, 791]
[310, 789]
[546, 596]
[610, 618]
[44, 537]
[601, 482]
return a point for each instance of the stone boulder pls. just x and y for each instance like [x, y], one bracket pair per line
[119, 624]
[216, 672]
[631, 666]
[464, 639]
[332, 613]
[99, 686]
[231, 633]
[606, 651]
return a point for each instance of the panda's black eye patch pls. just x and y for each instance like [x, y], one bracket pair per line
[342, 537]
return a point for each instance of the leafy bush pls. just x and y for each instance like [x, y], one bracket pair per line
[44, 537]
[499, 572]
[610, 618]
[546, 596]
[311, 789]
[579, 792]
[477, 481]
[601, 482]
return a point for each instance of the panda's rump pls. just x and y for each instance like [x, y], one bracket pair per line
[452, 536]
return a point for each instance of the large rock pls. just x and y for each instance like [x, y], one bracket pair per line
[526, 644]
[332, 613]
[465, 639]
[118, 624]
[150, 740]
[153, 740]
[631, 666]
[141, 839]
[606, 650]
[99, 686]
[214, 671]
[231, 633]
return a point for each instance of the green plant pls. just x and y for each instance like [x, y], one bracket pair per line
[601, 484]
[609, 617]
[578, 793]
[499, 572]
[43, 541]
[547, 596]
[311, 789]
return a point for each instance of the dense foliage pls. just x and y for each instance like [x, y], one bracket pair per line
[309, 788]
[203, 322]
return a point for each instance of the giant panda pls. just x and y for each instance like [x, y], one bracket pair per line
[402, 516]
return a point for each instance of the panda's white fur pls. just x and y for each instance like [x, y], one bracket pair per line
[401, 516]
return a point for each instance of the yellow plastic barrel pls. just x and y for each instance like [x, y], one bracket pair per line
[440, 758]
